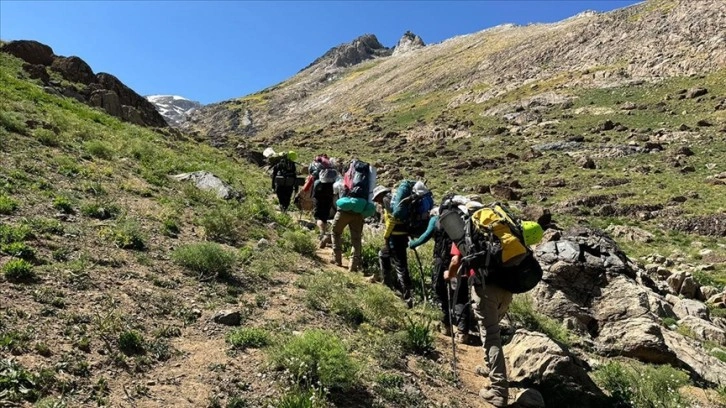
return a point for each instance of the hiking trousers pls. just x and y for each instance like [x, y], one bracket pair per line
[490, 304]
[341, 220]
[284, 194]
[398, 245]
[462, 307]
[441, 287]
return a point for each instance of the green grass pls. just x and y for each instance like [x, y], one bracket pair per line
[7, 205]
[643, 386]
[317, 357]
[207, 259]
[522, 312]
[249, 337]
[18, 270]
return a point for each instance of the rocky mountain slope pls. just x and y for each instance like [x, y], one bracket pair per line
[72, 77]
[124, 282]
[175, 109]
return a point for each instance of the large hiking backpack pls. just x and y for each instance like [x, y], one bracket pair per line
[359, 180]
[286, 173]
[491, 242]
[412, 205]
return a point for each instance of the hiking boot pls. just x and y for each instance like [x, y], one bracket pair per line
[354, 265]
[462, 338]
[482, 371]
[324, 241]
[337, 259]
[493, 397]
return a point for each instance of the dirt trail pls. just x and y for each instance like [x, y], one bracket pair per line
[468, 356]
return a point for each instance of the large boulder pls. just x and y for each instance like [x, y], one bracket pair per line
[704, 330]
[591, 285]
[538, 362]
[108, 100]
[73, 69]
[31, 52]
[207, 181]
[407, 43]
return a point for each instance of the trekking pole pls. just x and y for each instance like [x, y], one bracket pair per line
[420, 268]
[451, 330]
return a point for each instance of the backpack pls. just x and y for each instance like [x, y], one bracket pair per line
[318, 165]
[411, 205]
[328, 176]
[286, 173]
[323, 192]
[359, 180]
[491, 242]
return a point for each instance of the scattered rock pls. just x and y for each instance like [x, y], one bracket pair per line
[586, 163]
[684, 151]
[696, 92]
[690, 307]
[536, 213]
[503, 192]
[703, 329]
[703, 123]
[263, 243]
[689, 287]
[529, 398]
[228, 317]
[675, 281]
[607, 125]
[207, 181]
[632, 234]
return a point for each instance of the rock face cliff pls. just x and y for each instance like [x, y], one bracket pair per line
[72, 77]
[407, 43]
[175, 109]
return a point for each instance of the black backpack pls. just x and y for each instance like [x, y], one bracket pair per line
[482, 251]
[286, 173]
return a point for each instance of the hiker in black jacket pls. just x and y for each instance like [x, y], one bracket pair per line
[284, 179]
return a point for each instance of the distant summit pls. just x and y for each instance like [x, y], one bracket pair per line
[408, 42]
[361, 49]
[175, 109]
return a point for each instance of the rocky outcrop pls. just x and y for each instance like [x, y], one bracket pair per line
[100, 90]
[31, 52]
[591, 285]
[361, 49]
[407, 43]
[538, 362]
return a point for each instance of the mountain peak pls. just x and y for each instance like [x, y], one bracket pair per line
[408, 42]
[361, 49]
[175, 109]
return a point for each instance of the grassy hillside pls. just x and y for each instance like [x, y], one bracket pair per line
[112, 274]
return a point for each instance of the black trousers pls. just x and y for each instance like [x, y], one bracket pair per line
[284, 194]
[398, 245]
[462, 308]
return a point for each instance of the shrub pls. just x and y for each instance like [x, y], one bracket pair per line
[222, 225]
[10, 233]
[47, 137]
[249, 337]
[16, 383]
[18, 270]
[302, 398]
[642, 386]
[522, 311]
[99, 149]
[131, 342]
[317, 356]
[418, 338]
[7, 205]
[299, 242]
[19, 250]
[125, 235]
[208, 259]
[170, 227]
[101, 211]
[63, 204]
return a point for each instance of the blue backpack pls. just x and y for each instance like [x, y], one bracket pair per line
[412, 208]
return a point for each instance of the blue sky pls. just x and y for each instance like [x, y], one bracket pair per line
[211, 51]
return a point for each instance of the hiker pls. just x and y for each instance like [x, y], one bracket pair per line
[491, 248]
[324, 176]
[284, 178]
[406, 217]
[353, 207]
[443, 289]
[382, 197]
[490, 304]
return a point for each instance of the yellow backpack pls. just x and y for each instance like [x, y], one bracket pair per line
[496, 220]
